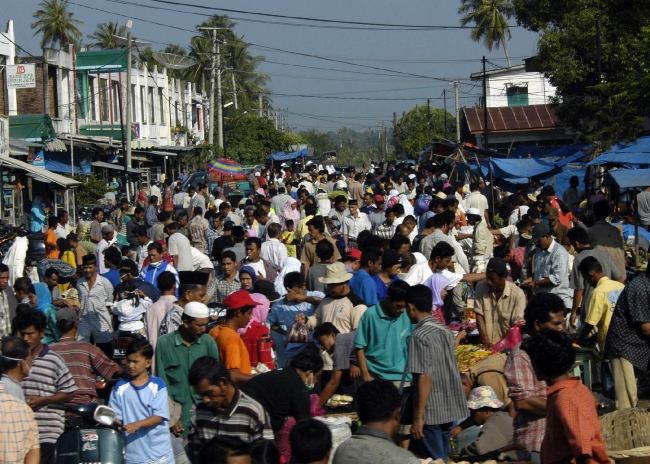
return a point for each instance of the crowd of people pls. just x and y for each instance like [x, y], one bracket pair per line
[251, 311]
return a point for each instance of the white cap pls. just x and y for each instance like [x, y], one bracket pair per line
[257, 174]
[196, 309]
[474, 211]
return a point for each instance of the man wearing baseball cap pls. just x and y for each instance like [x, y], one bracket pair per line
[550, 265]
[233, 351]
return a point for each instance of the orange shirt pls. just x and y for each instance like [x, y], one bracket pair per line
[50, 244]
[232, 350]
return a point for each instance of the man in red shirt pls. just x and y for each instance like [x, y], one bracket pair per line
[573, 432]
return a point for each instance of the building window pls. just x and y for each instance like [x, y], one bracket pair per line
[517, 94]
[91, 99]
[143, 104]
[161, 105]
[105, 100]
[117, 111]
[176, 115]
[150, 103]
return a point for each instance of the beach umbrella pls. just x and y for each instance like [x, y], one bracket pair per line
[225, 170]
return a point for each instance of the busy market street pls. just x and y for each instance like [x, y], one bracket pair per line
[206, 259]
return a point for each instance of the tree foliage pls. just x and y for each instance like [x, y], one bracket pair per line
[490, 19]
[319, 141]
[416, 129]
[57, 24]
[599, 112]
[103, 37]
[250, 139]
[91, 190]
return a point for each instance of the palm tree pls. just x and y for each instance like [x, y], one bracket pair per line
[490, 20]
[103, 36]
[248, 82]
[56, 23]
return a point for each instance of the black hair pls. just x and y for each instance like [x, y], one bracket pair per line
[140, 346]
[522, 224]
[399, 209]
[324, 250]
[501, 251]
[60, 214]
[398, 290]
[293, 280]
[317, 223]
[264, 452]
[442, 250]
[408, 259]
[166, 281]
[29, 318]
[153, 199]
[578, 235]
[309, 359]
[311, 441]
[377, 401]
[368, 255]
[449, 202]
[4, 267]
[13, 347]
[182, 215]
[579, 214]
[590, 264]
[113, 255]
[398, 240]
[288, 222]
[50, 272]
[155, 246]
[421, 297]
[63, 245]
[540, 307]
[164, 216]
[439, 221]
[533, 213]
[602, 209]
[198, 210]
[201, 187]
[52, 221]
[310, 209]
[409, 218]
[366, 240]
[221, 448]
[551, 351]
[434, 203]
[224, 205]
[228, 254]
[206, 367]
[254, 241]
[140, 231]
[473, 186]
[96, 211]
[274, 230]
[326, 328]
[259, 213]
[22, 284]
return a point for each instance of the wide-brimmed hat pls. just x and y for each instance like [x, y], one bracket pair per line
[532, 196]
[335, 274]
[483, 397]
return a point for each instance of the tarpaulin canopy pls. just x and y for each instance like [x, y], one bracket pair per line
[520, 168]
[628, 178]
[282, 156]
[621, 157]
[560, 182]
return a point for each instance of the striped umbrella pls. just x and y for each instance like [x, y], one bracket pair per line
[227, 170]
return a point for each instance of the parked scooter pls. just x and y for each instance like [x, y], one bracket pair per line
[94, 441]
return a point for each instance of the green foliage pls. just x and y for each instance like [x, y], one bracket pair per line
[319, 141]
[91, 190]
[490, 19]
[250, 139]
[606, 112]
[291, 138]
[56, 23]
[103, 36]
[415, 130]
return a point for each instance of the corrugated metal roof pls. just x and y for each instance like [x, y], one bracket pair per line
[512, 118]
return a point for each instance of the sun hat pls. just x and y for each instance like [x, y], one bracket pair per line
[483, 397]
[335, 274]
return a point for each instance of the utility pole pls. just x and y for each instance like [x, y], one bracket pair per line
[215, 68]
[599, 75]
[457, 113]
[428, 109]
[485, 107]
[259, 102]
[234, 88]
[129, 123]
[219, 100]
[444, 98]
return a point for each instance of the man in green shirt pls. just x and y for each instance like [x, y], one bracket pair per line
[176, 352]
[382, 337]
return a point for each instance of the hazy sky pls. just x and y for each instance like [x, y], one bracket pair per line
[441, 55]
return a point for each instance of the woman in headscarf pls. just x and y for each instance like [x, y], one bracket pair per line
[247, 277]
[37, 215]
[41, 299]
[256, 335]
[438, 285]
[288, 265]
[408, 207]
[65, 254]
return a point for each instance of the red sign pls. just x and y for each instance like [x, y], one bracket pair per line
[20, 70]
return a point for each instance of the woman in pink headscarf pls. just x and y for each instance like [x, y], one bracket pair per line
[438, 285]
[256, 335]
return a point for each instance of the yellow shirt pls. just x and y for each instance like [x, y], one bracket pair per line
[601, 307]
[287, 239]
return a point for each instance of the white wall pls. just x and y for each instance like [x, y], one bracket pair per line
[539, 88]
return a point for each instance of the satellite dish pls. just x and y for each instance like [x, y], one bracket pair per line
[171, 61]
[122, 41]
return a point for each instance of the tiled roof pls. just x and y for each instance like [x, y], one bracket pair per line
[512, 118]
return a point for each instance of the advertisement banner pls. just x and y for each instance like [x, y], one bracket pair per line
[21, 76]
[39, 160]
[4, 135]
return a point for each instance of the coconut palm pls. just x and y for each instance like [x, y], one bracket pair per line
[248, 82]
[103, 37]
[56, 23]
[490, 18]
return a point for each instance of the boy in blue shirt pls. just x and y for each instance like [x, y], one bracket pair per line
[142, 409]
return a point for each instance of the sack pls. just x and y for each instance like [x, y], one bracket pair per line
[510, 341]
[422, 204]
[298, 333]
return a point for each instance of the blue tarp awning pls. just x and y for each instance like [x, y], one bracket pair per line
[628, 178]
[282, 156]
[621, 157]
[520, 168]
[560, 182]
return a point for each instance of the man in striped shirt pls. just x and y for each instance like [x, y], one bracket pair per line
[432, 361]
[225, 409]
[48, 382]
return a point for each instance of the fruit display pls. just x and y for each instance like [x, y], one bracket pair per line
[470, 355]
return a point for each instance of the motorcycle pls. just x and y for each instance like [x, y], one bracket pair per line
[121, 340]
[94, 441]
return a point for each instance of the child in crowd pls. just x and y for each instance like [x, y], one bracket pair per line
[287, 238]
[130, 309]
[142, 409]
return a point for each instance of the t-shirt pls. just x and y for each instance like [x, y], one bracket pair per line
[133, 404]
[258, 267]
[200, 260]
[578, 282]
[601, 307]
[180, 245]
[313, 274]
[344, 353]
[113, 276]
[232, 350]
